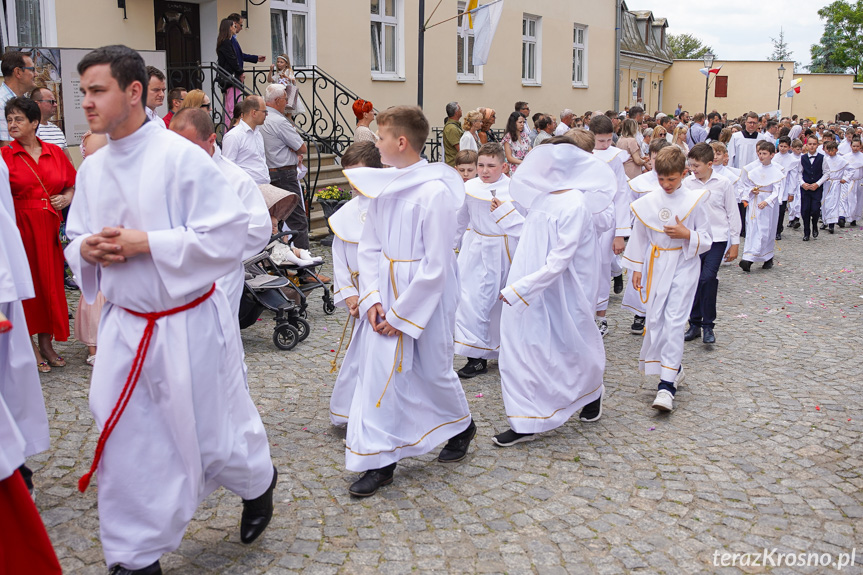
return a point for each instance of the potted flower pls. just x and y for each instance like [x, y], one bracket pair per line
[331, 199]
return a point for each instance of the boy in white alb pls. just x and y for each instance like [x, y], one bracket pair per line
[483, 262]
[724, 219]
[790, 164]
[639, 186]
[854, 175]
[552, 358]
[794, 190]
[671, 230]
[834, 167]
[408, 398]
[347, 225]
[612, 242]
[761, 186]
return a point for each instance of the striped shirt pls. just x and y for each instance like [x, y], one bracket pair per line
[51, 134]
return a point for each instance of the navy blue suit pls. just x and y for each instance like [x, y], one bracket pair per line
[810, 200]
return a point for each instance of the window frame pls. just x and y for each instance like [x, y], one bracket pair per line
[309, 9]
[47, 23]
[464, 34]
[584, 58]
[536, 41]
[397, 21]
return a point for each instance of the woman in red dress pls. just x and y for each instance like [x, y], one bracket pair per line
[43, 182]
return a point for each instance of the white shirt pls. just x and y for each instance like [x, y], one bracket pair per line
[721, 207]
[245, 147]
[467, 142]
[152, 115]
[51, 134]
[561, 129]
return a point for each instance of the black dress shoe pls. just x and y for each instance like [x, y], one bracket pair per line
[745, 265]
[830, 229]
[456, 448]
[853, 224]
[154, 569]
[768, 264]
[473, 368]
[693, 332]
[257, 513]
[823, 226]
[618, 283]
[778, 237]
[841, 222]
[708, 336]
[796, 223]
[805, 238]
[372, 480]
[815, 233]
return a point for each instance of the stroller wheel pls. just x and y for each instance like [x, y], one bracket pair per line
[302, 327]
[329, 306]
[304, 313]
[285, 336]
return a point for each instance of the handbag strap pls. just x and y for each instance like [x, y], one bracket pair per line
[47, 194]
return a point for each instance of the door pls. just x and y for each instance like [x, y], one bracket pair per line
[178, 33]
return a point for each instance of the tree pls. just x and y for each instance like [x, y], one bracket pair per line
[780, 48]
[840, 48]
[687, 47]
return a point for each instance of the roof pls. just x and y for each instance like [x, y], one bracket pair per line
[632, 39]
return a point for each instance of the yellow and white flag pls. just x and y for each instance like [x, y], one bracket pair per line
[484, 20]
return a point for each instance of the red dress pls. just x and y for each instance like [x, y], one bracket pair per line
[39, 225]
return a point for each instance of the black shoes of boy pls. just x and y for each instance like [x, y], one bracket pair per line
[456, 448]
[153, 569]
[708, 336]
[618, 283]
[692, 333]
[473, 368]
[778, 237]
[768, 264]
[796, 223]
[853, 224]
[745, 265]
[592, 411]
[510, 437]
[830, 229]
[637, 327]
[372, 480]
[823, 226]
[257, 513]
[815, 233]
[805, 238]
[841, 222]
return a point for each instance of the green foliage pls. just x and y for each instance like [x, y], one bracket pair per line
[840, 47]
[687, 47]
[780, 48]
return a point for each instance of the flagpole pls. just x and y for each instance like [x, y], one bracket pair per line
[421, 40]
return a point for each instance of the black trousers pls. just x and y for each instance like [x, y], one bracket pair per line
[810, 208]
[780, 227]
[742, 209]
[703, 312]
[297, 221]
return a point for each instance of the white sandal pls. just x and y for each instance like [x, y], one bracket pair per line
[91, 360]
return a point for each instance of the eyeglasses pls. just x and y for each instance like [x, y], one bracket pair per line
[31, 68]
[52, 102]
[207, 106]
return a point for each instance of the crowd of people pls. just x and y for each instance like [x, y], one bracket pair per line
[511, 257]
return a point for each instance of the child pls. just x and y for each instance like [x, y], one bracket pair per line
[552, 358]
[794, 190]
[483, 262]
[834, 166]
[408, 398]
[761, 185]
[347, 225]
[465, 163]
[643, 184]
[613, 241]
[791, 166]
[854, 175]
[724, 220]
[671, 229]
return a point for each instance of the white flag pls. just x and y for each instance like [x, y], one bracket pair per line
[485, 20]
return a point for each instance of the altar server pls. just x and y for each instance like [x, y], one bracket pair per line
[761, 185]
[854, 175]
[154, 224]
[834, 167]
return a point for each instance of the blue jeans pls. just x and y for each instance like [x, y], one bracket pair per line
[703, 312]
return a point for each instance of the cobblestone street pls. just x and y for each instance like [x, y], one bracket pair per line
[763, 451]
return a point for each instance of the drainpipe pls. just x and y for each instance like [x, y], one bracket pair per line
[617, 23]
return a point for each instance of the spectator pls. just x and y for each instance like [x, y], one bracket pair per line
[632, 166]
[515, 142]
[523, 109]
[565, 122]
[365, 113]
[535, 131]
[43, 182]
[615, 124]
[227, 59]
[697, 133]
[545, 126]
[715, 131]
[678, 110]
[679, 138]
[19, 77]
[647, 136]
[196, 99]
[48, 132]
[239, 21]
[155, 94]
[660, 132]
[486, 134]
[452, 132]
[175, 102]
[471, 124]
[282, 73]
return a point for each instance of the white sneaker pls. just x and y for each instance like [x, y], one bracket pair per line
[602, 324]
[664, 401]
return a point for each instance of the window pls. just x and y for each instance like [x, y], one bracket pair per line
[579, 56]
[531, 50]
[387, 40]
[639, 91]
[721, 90]
[291, 28]
[465, 70]
[29, 23]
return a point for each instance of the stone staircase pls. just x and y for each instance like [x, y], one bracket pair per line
[331, 175]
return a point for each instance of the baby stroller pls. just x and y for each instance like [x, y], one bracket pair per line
[303, 279]
[262, 289]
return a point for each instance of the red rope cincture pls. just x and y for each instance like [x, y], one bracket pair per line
[132, 380]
